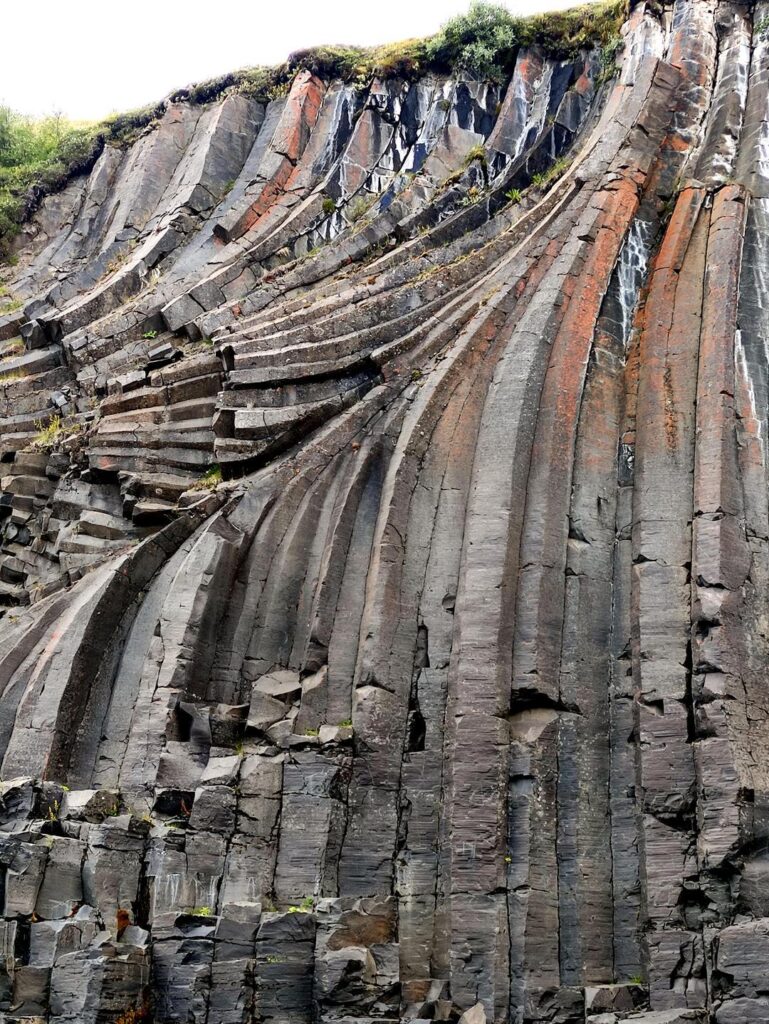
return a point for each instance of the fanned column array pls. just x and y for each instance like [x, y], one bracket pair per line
[385, 552]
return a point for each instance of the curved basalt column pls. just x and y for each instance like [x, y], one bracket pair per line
[385, 552]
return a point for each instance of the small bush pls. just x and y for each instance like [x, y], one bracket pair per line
[329, 206]
[345, 62]
[149, 335]
[481, 43]
[513, 196]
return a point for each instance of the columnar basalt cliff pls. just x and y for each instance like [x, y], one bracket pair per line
[385, 552]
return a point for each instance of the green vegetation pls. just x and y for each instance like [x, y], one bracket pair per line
[40, 157]
[565, 33]
[210, 479]
[359, 207]
[10, 375]
[476, 153]
[609, 59]
[481, 42]
[54, 431]
[514, 195]
[553, 172]
[10, 306]
[306, 906]
[200, 911]
[149, 335]
[14, 347]
[328, 205]
[484, 41]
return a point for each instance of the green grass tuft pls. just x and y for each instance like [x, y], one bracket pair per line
[53, 432]
[210, 479]
[306, 906]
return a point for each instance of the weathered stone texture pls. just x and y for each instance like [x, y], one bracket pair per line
[383, 620]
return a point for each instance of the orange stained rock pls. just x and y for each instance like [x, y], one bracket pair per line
[664, 303]
[291, 136]
[576, 333]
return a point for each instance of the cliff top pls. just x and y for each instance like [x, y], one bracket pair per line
[40, 158]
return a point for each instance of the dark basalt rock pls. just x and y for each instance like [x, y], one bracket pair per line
[385, 553]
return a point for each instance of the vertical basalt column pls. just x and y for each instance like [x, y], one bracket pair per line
[552, 836]
[752, 429]
[721, 557]
[593, 774]
[623, 809]
[661, 543]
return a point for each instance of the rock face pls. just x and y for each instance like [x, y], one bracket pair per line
[449, 701]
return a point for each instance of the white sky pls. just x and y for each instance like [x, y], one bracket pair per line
[88, 58]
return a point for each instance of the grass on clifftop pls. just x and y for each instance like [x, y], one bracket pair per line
[40, 157]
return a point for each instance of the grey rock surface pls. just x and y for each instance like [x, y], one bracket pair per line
[384, 552]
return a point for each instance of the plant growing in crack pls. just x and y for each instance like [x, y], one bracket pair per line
[306, 906]
[210, 479]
